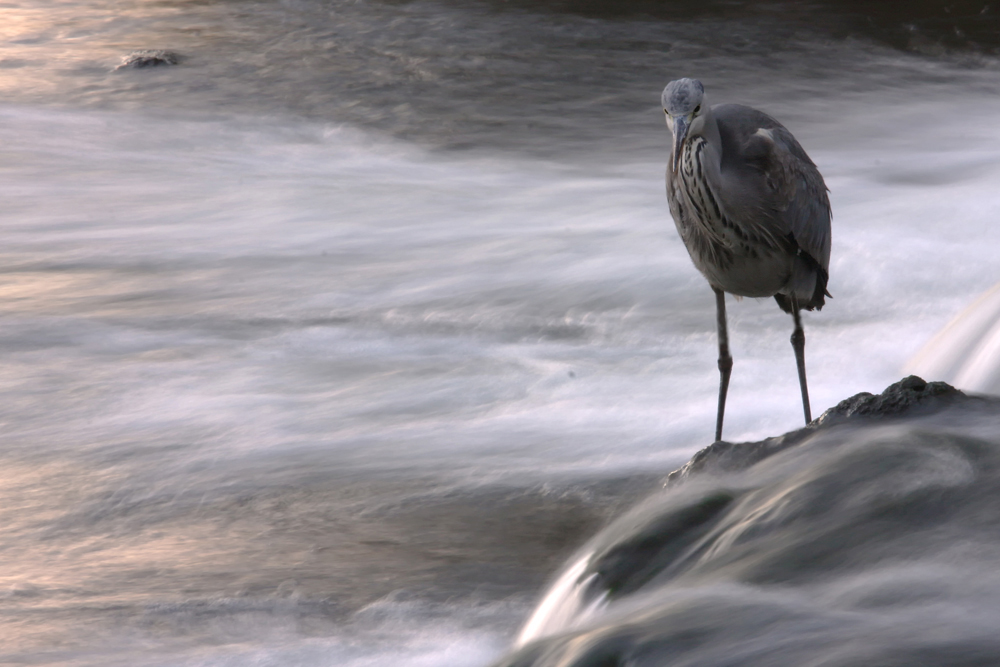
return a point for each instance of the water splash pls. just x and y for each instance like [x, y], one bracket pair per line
[569, 602]
[966, 353]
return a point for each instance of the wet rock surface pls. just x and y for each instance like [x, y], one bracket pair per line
[911, 396]
[144, 58]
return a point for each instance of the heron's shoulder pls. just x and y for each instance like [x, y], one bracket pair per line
[742, 119]
[754, 135]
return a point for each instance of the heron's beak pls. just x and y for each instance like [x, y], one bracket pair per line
[680, 134]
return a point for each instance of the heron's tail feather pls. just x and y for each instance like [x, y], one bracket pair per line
[807, 288]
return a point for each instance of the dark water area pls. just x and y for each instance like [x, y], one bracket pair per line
[244, 558]
[538, 78]
[935, 27]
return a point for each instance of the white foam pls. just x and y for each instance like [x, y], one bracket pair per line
[312, 286]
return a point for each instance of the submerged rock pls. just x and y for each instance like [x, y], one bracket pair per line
[148, 58]
[871, 536]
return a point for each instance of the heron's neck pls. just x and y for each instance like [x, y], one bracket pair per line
[709, 132]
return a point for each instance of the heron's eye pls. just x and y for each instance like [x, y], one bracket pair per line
[697, 108]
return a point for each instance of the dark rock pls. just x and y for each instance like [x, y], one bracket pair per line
[148, 58]
[898, 399]
[911, 395]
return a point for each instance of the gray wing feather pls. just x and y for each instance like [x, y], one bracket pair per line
[781, 191]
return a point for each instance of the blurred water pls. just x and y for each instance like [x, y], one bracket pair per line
[327, 345]
[966, 352]
[858, 546]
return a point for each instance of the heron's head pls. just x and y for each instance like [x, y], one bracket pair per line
[684, 106]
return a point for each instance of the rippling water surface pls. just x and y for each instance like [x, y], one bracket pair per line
[328, 345]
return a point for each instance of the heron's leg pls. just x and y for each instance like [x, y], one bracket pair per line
[725, 361]
[799, 345]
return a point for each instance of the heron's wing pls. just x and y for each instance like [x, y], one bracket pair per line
[781, 190]
[800, 200]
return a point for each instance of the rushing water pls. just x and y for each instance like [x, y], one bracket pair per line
[871, 546]
[329, 344]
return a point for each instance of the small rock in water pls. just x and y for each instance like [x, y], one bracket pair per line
[148, 58]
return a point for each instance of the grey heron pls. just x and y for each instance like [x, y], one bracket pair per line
[752, 210]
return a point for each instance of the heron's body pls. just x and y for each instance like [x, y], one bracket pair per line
[751, 208]
[747, 203]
